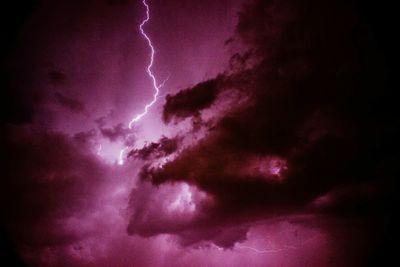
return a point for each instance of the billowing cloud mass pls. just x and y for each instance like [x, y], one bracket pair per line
[307, 128]
[166, 146]
[189, 102]
[285, 156]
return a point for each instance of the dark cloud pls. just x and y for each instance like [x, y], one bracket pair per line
[352, 200]
[189, 102]
[48, 178]
[317, 102]
[224, 235]
[164, 147]
[180, 209]
[318, 134]
[70, 103]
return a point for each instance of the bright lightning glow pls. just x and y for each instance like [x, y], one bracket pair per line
[149, 72]
[184, 202]
[151, 75]
[121, 155]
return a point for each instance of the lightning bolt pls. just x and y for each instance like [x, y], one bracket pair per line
[149, 67]
[156, 86]
[266, 250]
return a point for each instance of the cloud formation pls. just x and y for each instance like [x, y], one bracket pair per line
[165, 147]
[287, 157]
[189, 102]
[312, 113]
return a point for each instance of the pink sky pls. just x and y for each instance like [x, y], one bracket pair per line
[242, 161]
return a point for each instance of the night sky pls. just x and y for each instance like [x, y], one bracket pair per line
[273, 140]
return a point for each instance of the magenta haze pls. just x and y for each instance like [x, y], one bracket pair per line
[256, 152]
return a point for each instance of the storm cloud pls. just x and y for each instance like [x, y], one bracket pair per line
[315, 118]
[283, 153]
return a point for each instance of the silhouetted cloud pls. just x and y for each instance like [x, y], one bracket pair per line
[164, 147]
[309, 127]
[189, 102]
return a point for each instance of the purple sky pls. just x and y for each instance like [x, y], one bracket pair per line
[92, 53]
[258, 151]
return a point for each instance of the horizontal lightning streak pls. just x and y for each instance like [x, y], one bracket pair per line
[266, 250]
